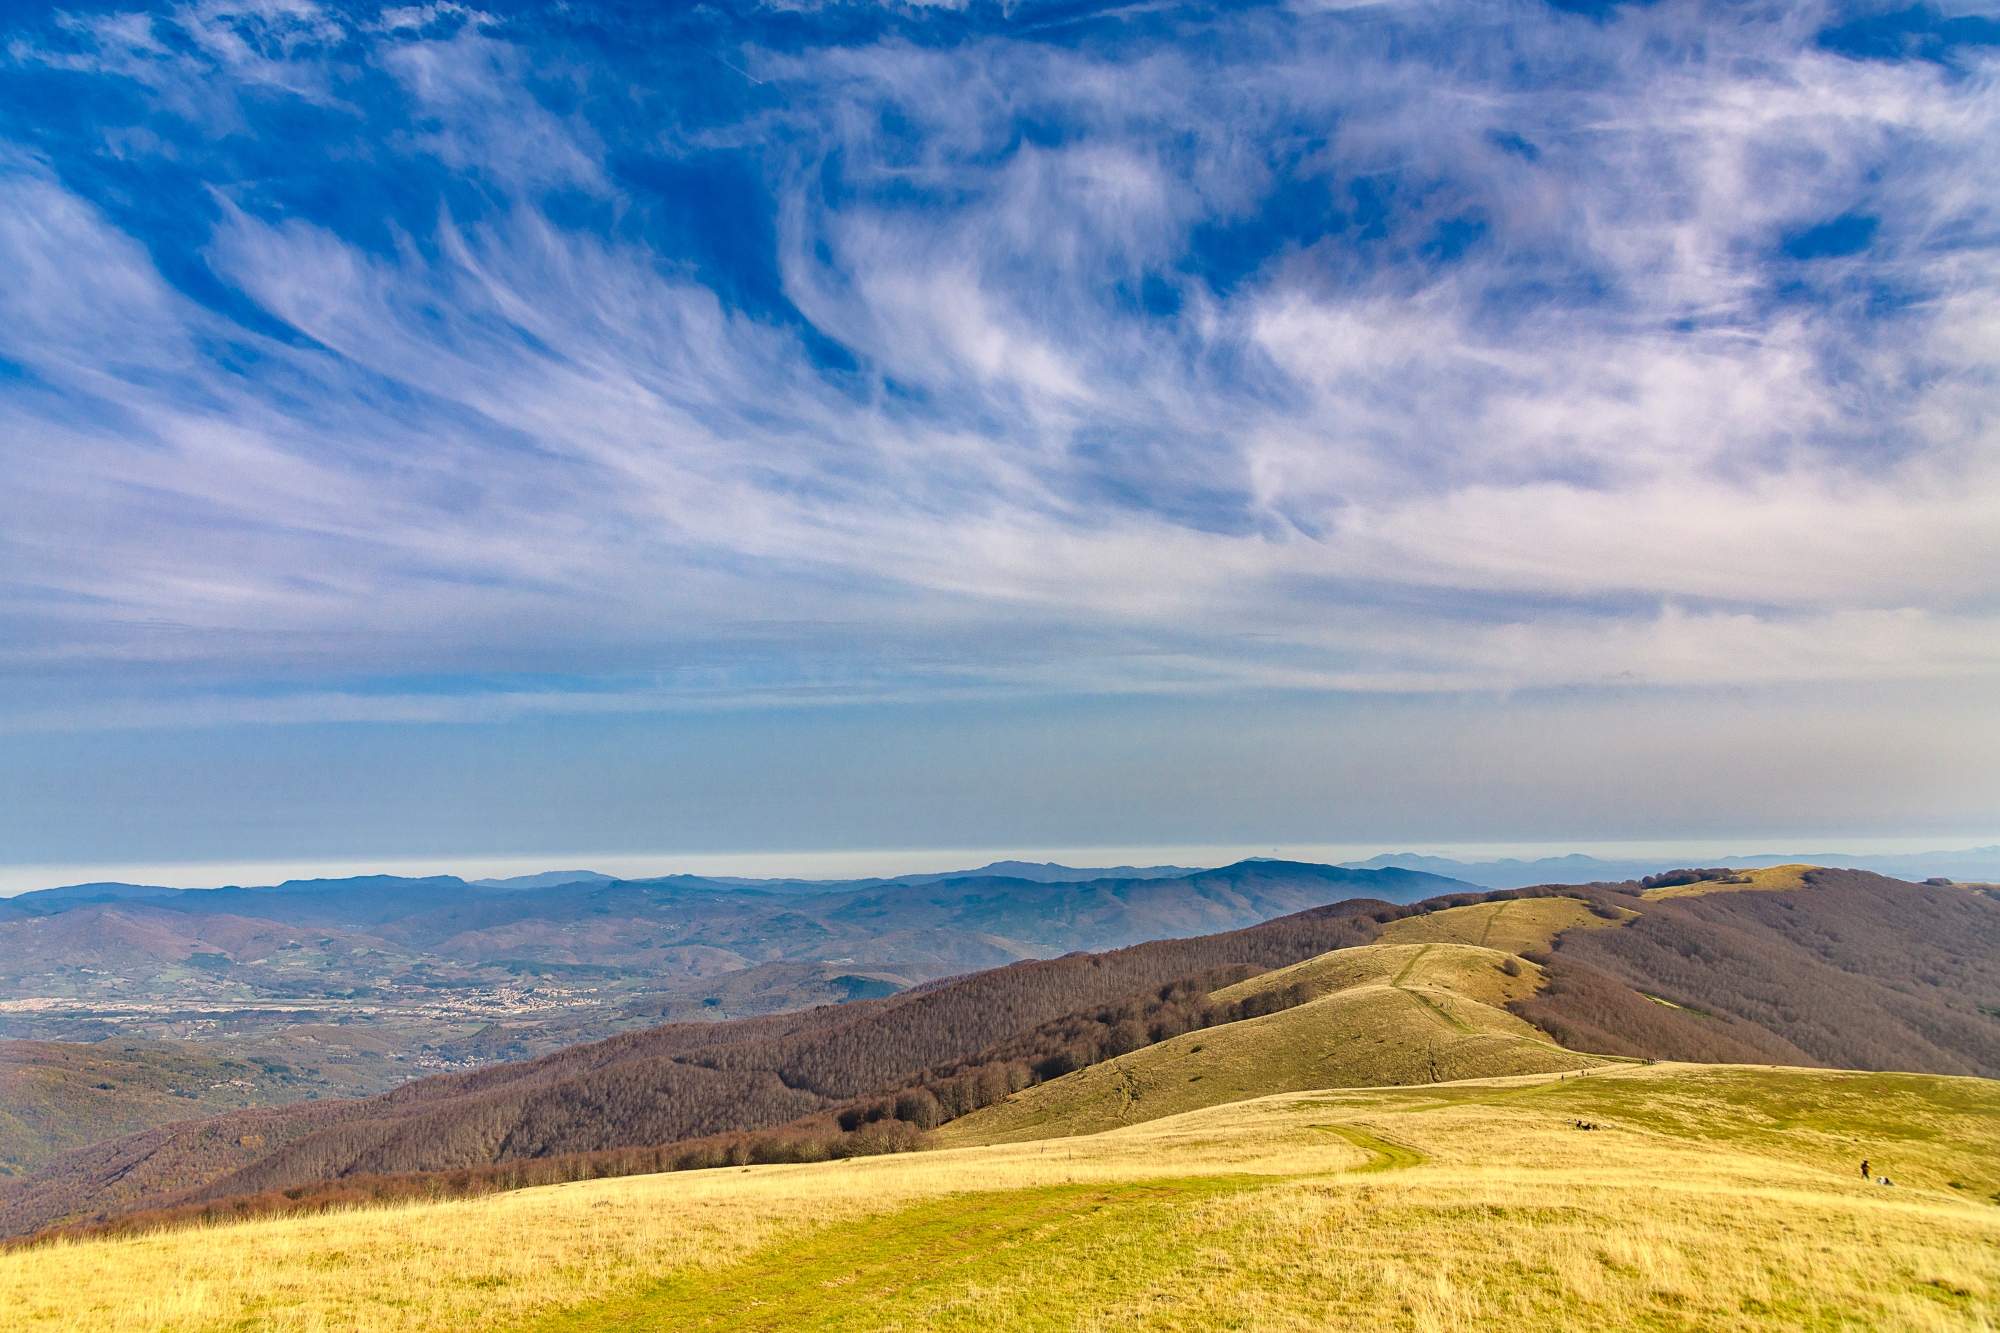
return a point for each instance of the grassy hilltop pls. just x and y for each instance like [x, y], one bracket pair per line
[1426, 1005]
[1708, 1197]
[1393, 1014]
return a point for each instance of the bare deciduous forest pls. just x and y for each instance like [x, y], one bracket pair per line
[1851, 970]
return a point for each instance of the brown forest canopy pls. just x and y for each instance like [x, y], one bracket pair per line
[1849, 970]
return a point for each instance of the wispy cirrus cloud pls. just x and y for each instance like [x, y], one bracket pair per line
[896, 353]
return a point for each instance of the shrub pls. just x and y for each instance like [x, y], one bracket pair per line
[919, 1107]
[1674, 878]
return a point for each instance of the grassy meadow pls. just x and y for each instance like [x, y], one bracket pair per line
[1514, 925]
[1712, 1197]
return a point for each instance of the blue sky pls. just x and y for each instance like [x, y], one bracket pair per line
[511, 429]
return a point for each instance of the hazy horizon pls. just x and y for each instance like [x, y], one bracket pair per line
[837, 866]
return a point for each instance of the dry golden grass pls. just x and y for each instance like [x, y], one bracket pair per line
[1710, 1198]
[1769, 879]
[1478, 1250]
[1476, 973]
[1714, 1197]
[1515, 925]
[477, 1263]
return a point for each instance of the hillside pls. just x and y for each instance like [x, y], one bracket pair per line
[129, 951]
[1703, 1197]
[1811, 965]
[665, 1084]
[56, 1096]
[1384, 1014]
[1570, 1004]
[1427, 1002]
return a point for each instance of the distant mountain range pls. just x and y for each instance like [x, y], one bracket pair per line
[445, 973]
[548, 879]
[1016, 908]
[455, 973]
[1972, 864]
[1039, 872]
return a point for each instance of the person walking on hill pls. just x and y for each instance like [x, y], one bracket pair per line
[1864, 1168]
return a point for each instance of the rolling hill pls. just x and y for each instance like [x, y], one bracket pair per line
[1702, 1197]
[1426, 1003]
[1384, 1014]
[1358, 993]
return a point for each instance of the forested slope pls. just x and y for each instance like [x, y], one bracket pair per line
[1847, 969]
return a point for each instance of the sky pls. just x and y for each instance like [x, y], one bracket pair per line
[528, 431]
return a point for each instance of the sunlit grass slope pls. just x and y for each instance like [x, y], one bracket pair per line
[1388, 1014]
[480, 1263]
[1711, 1197]
[1770, 879]
[1516, 925]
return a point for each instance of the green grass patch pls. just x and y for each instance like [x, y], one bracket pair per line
[1450, 1021]
[1410, 966]
[1019, 1259]
[1918, 1129]
[1383, 1155]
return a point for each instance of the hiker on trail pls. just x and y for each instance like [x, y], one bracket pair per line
[1864, 1168]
